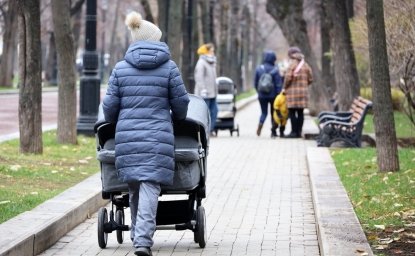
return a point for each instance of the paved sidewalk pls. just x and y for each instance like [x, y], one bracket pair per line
[260, 201]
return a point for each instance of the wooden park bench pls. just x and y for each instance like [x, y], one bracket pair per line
[346, 126]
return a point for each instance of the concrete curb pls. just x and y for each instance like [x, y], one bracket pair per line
[338, 229]
[34, 231]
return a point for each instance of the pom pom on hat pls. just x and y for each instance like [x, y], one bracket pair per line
[202, 50]
[142, 30]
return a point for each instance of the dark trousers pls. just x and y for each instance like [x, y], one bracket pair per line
[265, 102]
[297, 120]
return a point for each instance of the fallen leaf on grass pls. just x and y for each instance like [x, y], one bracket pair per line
[82, 161]
[410, 235]
[385, 240]
[5, 202]
[397, 205]
[381, 247]
[15, 167]
[382, 227]
[399, 230]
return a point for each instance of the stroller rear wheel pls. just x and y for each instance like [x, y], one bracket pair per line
[200, 234]
[119, 218]
[102, 220]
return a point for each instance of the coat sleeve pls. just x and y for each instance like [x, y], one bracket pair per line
[256, 77]
[178, 97]
[111, 102]
[199, 78]
[310, 75]
[277, 80]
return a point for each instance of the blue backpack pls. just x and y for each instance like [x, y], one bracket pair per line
[266, 82]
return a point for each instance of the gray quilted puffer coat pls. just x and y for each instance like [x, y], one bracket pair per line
[142, 90]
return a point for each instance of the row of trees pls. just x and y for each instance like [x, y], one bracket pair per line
[236, 29]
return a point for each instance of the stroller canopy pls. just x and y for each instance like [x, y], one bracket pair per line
[225, 85]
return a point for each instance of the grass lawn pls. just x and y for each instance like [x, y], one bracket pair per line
[28, 180]
[383, 202]
[404, 128]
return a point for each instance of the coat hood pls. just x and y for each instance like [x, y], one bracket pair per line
[270, 57]
[147, 54]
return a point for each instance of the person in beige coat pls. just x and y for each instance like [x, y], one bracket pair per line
[205, 79]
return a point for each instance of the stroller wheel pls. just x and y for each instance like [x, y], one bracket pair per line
[200, 234]
[102, 220]
[119, 218]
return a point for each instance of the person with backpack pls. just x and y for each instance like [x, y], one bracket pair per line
[268, 84]
[296, 81]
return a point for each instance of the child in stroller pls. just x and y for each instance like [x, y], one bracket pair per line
[226, 104]
[191, 150]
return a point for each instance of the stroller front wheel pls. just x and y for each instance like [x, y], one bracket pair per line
[200, 235]
[119, 218]
[102, 220]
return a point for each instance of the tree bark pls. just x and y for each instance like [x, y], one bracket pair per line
[235, 45]
[346, 77]
[326, 68]
[188, 60]
[206, 8]
[30, 80]
[246, 49]
[174, 30]
[163, 8]
[223, 52]
[386, 144]
[147, 11]
[9, 45]
[67, 77]
[113, 46]
[289, 16]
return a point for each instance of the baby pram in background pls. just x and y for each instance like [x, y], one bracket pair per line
[191, 150]
[226, 106]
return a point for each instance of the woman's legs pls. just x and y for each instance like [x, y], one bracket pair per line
[143, 204]
[297, 121]
[213, 110]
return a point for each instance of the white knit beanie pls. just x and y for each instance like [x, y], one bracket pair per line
[142, 30]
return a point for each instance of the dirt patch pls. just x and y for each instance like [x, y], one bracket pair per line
[393, 242]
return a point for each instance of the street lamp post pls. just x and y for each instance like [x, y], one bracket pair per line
[89, 95]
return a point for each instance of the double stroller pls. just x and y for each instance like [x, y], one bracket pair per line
[191, 150]
[226, 106]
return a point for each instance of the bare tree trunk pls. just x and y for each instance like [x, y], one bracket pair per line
[206, 8]
[147, 11]
[113, 46]
[235, 45]
[289, 15]
[30, 81]
[9, 45]
[255, 49]
[246, 48]
[174, 30]
[66, 65]
[346, 77]
[51, 69]
[326, 69]
[163, 8]
[188, 60]
[223, 52]
[386, 145]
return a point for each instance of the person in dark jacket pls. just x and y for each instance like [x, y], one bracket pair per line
[267, 99]
[145, 92]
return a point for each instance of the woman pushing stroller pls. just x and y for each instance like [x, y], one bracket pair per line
[145, 92]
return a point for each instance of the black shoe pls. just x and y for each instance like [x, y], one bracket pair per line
[291, 136]
[274, 135]
[143, 251]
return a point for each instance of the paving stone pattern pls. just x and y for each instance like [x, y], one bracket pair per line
[258, 202]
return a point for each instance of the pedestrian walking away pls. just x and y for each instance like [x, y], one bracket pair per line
[145, 92]
[296, 81]
[268, 84]
[205, 80]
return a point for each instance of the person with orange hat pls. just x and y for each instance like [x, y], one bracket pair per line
[205, 80]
